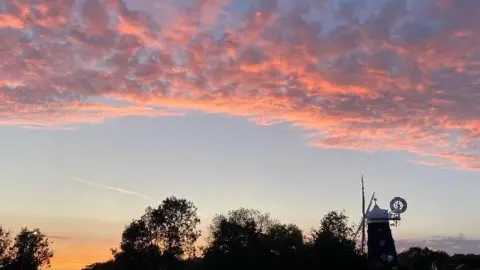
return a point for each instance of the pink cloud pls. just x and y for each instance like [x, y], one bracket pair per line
[403, 78]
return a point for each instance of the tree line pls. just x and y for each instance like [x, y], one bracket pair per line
[244, 239]
[165, 237]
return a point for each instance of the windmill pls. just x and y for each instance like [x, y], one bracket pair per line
[380, 243]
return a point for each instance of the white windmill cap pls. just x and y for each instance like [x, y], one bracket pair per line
[377, 215]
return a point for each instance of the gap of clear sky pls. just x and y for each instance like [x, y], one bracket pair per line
[108, 106]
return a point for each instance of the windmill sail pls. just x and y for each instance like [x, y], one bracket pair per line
[364, 217]
[362, 247]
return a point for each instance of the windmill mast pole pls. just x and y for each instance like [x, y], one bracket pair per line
[362, 249]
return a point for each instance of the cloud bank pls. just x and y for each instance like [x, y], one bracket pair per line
[451, 245]
[369, 75]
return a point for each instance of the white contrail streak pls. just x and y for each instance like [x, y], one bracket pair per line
[123, 191]
[116, 189]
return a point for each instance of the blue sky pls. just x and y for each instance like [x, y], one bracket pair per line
[221, 163]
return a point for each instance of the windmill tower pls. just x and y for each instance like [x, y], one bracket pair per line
[377, 222]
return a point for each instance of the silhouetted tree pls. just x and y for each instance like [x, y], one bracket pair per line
[332, 245]
[286, 242]
[238, 241]
[162, 237]
[5, 247]
[174, 226]
[108, 265]
[471, 261]
[248, 239]
[137, 236]
[416, 258]
[137, 248]
[30, 251]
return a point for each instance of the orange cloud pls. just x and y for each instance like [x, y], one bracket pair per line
[402, 78]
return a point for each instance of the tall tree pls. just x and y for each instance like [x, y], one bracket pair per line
[238, 241]
[423, 259]
[286, 242]
[174, 226]
[138, 249]
[161, 237]
[30, 251]
[332, 245]
[137, 237]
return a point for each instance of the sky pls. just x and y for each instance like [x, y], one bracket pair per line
[108, 106]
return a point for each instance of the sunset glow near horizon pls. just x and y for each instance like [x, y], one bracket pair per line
[107, 106]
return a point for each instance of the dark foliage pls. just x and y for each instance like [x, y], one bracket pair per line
[424, 259]
[110, 265]
[29, 250]
[332, 245]
[173, 227]
[5, 248]
[245, 239]
[165, 236]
